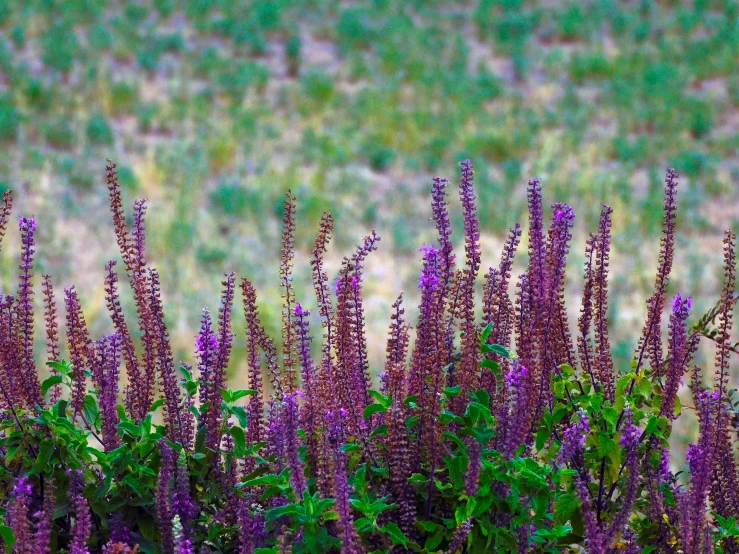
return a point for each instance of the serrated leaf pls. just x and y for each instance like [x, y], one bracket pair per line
[565, 506]
[395, 533]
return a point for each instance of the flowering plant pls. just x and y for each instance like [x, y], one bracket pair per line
[514, 433]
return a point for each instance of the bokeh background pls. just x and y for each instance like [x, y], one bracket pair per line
[214, 108]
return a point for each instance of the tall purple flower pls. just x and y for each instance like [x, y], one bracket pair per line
[82, 519]
[29, 375]
[603, 361]
[650, 342]
[206, 348]
[514, 415]
[679, 353]
[163, 501]
[292, 446]
[350, 541]
[467, 376]
[105, 373]
[182, 503]
[45, 517]
[80, 349]
[17, 516]
[700, 459]
[177, 419]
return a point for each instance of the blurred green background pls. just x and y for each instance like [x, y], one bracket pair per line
[214, 108]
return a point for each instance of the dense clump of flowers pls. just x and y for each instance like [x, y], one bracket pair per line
[492, 427]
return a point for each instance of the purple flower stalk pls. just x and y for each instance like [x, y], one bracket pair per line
[82, 519]
[574, 438]
[29, 375]
[17, 516]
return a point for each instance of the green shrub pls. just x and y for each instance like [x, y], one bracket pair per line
[318, 86]
[9, 119]
[354, 29]
[59, 48]
[98, 130]
[59, 133]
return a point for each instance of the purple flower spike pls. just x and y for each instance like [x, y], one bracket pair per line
[573, 441]
[630, 434]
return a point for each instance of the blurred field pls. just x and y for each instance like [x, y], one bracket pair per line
[213, 109]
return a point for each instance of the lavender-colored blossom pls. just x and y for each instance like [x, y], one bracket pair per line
[429, 278]
[105, 373]
[664, 475]
[459, 537]
[574, 438]
[680, 353]
[17, 516]
[163, 501]
[630, 433]
[516, 375]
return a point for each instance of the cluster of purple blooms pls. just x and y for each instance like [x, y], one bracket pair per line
[300, 419]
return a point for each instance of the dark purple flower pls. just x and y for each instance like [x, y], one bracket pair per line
[574, 438]
[29, 380]
[82, 526]
[17, 515]
[429, 278]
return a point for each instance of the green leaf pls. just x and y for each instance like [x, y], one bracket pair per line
[129, 428]
[63, 367]
[270, 479]
[50, 382]
[498, 349]
[239, 441]
[373, 409]
[186, 373]
[156, 405]
[240, 413]
[606, 444]
[486, 332]
[382, 399]
[276, 513]
[453, 391]
[395, 534]
[44, 455]
[200, 438]
[492, 365]
[90, 409]
[435, 539]
[564, 507]
[233, 395]
[7, 535]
